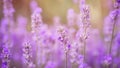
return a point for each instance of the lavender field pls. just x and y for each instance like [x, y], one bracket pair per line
[78, 36]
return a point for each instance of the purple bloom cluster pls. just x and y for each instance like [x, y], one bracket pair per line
[27, 54]
[5, 57]
[75, 44]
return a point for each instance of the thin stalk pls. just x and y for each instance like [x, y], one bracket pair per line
[37, 55]
[84, 51]
[66, 60]
[84, 43]
[112, 36]
[118, 55]
[111, 42]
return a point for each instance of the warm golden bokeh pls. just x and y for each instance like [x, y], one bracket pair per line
[98, 9]
[59, 33]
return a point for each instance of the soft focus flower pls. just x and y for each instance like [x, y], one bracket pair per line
[36, 25]
[6, 55]
[107, 60]
[8, 8]
[70, 17]
[27, 54]
[50, 64]
[63, 38]
[118, 1]
[72, 45]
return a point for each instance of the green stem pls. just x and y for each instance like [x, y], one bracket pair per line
[37, 57]
[84, 43]
[84, 51]
[66, 60]
[112, 38]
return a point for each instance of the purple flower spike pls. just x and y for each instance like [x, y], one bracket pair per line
[69, 46]
[5, 57]
[107, 60]
[27, 54]
[118, 1]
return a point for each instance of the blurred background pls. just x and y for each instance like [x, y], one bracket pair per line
[98, 9]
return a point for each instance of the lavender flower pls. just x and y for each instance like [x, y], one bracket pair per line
[74, 52]
[4, 26]
[71, 17]
[6, 54]
[5, 57]
[8, 11]
[81, 62]
[85, 24]
[107, 60]
[34, 6]
[112, 19]
[8, 8]
[27, 54]
[36, 24]
[117, 4]
[21, 26]
[50, 64]
[63, 38]
[110, 27]
[118, 1]
[62, 48]
[117, 39]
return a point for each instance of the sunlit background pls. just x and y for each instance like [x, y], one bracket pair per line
[98, 9]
